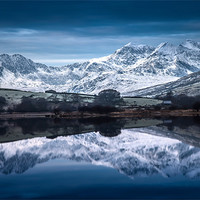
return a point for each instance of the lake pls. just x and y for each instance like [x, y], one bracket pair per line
[100, 158]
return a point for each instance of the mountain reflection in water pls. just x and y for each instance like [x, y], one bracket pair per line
[166, 150]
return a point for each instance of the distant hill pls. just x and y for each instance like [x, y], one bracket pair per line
[188, 85]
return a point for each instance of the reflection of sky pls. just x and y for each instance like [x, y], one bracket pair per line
[62, 32]
[65, 179]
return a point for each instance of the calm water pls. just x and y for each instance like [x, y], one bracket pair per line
[100, 159]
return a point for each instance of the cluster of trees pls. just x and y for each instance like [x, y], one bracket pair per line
[109, 97]
[106, 101]
[183, 101]
[196, 106]
[29, 104]
[2, 103]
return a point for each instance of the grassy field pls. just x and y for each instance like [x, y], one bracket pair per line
[15, 97]
[139, 101]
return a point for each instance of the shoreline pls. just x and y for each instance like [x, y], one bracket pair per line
[120, 114]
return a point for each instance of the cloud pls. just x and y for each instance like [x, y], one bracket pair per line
[63, 47]
[56, 15]
[67, 31]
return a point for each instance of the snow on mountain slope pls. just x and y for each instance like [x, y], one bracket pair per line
[132, 153]
[191, 45]
[19, 64]
[188, 85]
[172, 60]
[129, 68]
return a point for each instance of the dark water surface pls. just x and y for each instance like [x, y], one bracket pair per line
[100, 159]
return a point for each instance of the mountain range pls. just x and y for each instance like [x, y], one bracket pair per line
[129, 68]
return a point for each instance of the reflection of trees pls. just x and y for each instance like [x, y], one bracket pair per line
[111, 127]
[108, 127]
[11, 130]
[25, 128]
[110, 130]
[183, 122]
[196, 120]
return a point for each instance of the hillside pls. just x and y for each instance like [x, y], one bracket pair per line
[188, 85]
[26, 101]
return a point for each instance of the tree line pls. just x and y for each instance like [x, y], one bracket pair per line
[105, 101]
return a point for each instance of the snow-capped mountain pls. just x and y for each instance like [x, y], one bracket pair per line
[188, 85]
[130, 68]
[132, 153]
[18, 64]
[168, 59]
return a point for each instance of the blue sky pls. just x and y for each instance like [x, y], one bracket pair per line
[61, 32]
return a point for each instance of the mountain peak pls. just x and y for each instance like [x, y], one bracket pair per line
[191, 41]
[166, 48]
[13, 56]
[19, 64]
[18, 55]
[19, 58]
[136, 46]
[128, 44]
[134, 49]
[4, 55]
[192, 45]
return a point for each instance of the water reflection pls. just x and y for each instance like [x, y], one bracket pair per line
[186, 129]
[12, 130]
[132, 153]
[147, 155]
